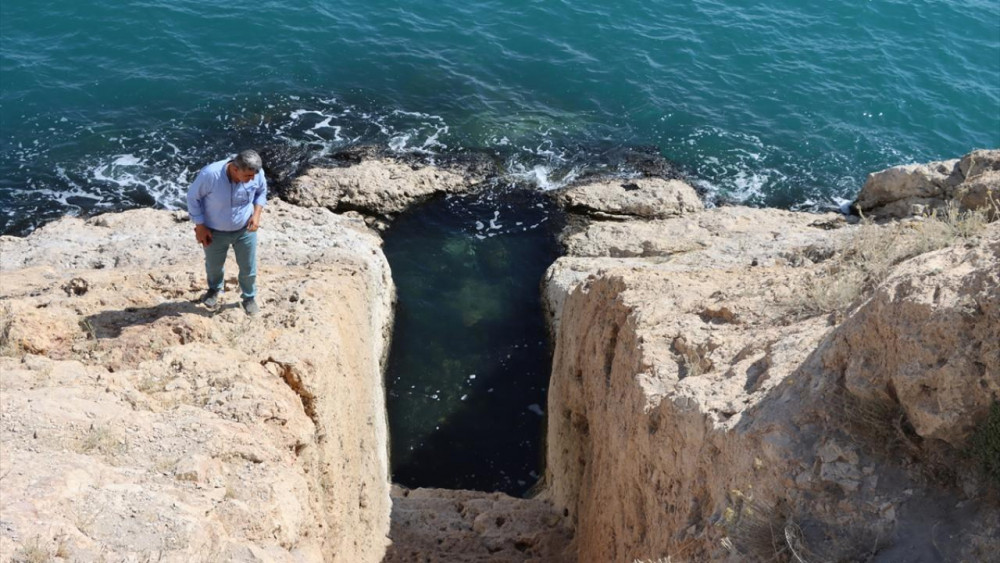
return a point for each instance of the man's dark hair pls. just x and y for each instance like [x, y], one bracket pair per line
[248, 160]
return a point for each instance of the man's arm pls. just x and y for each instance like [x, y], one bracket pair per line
[197, 210]
[259, 201]
[254, 223]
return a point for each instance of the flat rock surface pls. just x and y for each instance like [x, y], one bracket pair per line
[375, 187]
[649, 198]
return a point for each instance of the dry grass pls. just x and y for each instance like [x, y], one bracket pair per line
[870, 421]
[33, 551]
[8, 347]
[101, 439]
[85, 518]
[761, 531]
[869, 257]
[692, 358]
[755, 530]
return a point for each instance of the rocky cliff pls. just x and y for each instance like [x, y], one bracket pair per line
[727, 383]
[138, 425]
[756, 384]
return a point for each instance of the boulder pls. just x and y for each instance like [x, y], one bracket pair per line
[381, 187]
[972, 182]
[648, 198]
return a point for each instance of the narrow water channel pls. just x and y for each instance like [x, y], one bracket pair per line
[470, 358]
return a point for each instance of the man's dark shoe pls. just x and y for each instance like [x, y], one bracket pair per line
[211, 298]
[250, 306]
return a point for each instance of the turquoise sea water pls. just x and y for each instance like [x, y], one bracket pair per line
[790, 103]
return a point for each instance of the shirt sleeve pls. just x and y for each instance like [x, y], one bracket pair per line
[194, 199]
[260, 194]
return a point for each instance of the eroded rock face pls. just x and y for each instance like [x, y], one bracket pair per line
[138, 424]
[449, 526]
[937, 325]
[696, 395]
[971, 182]
[380, 187]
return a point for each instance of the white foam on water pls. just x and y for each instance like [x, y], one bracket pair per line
[398, 143]
[126, 160]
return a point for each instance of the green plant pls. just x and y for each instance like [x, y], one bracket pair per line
[984, 445]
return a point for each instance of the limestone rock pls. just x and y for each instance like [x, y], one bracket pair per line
[914, 189]
[727, 237]
[135, 424]
[450, 526]
[375, 187]
[650, 198]
[695, 397]
[937, 324]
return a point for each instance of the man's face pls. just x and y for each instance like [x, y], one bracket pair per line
[239, 175]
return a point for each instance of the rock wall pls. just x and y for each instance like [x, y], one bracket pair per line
[138, 425]
[453, 526]
[703, 407]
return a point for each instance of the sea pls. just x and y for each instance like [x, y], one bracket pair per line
[116, 105]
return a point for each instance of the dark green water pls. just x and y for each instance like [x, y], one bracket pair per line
[470, 359]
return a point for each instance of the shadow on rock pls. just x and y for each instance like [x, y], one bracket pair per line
[109, 324]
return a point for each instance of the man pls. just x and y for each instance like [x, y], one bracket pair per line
[225, 202]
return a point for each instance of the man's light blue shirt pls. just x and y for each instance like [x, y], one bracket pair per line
[220, 204]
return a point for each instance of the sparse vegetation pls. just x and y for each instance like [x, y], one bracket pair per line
[32, 551]
[232, 491]
[692, 359]
[90, 333]
[985, 444]
[7, 347]
[84, 519]
[868, 258]
[871, 420]
[760, 531]
[755, 530]
[102, 439]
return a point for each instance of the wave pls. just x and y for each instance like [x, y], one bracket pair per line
[154, 168]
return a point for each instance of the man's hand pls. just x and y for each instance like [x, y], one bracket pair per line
[254, 223]
[203, 235]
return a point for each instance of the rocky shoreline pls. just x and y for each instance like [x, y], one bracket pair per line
[728, 383]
